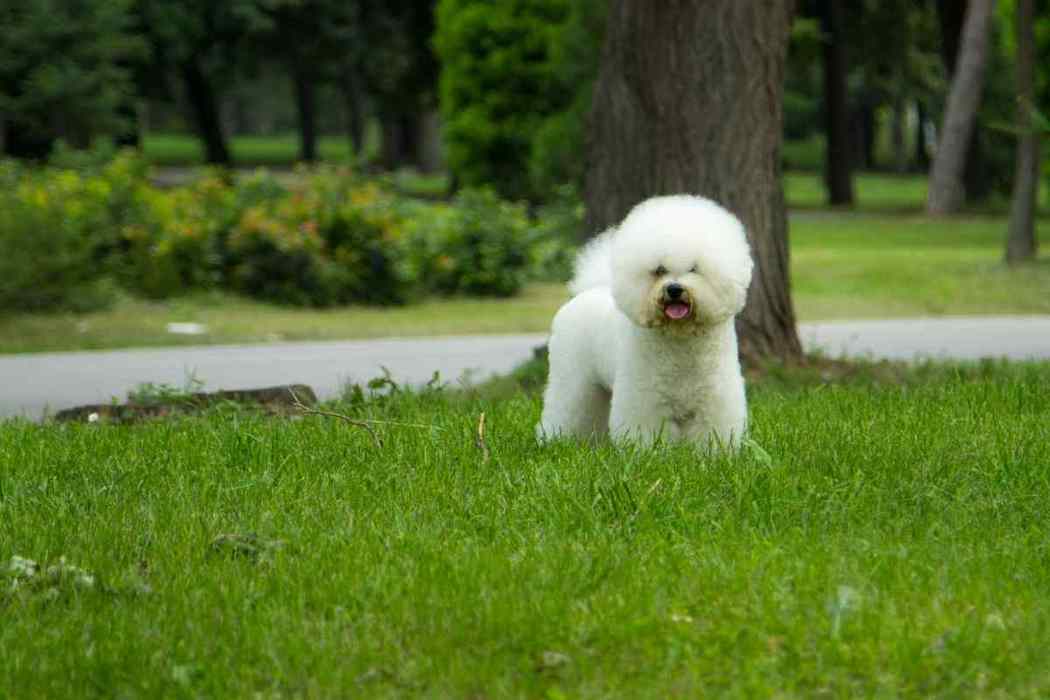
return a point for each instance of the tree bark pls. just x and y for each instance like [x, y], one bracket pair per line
[401, 140]
[838, 162]
[353, 100]
[951, 16]
[1021, 241]
[947, 192]
[305, 105]
[205, 108]
[922, 156]
[689, 99]
[392, 150]
[900, 149]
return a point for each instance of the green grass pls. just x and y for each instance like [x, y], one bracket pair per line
[878, 267]
[893, 544]
[186, 150]
[874, 192]
[236, 320]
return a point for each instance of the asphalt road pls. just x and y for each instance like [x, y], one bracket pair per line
[34, 384]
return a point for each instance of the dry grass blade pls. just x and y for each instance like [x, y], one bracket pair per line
[480, 439]
[306, 410]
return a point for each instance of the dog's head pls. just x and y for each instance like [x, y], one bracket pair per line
[680, 263]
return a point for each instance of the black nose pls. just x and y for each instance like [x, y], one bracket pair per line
[674, 290]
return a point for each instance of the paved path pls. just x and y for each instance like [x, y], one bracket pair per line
[34, 383]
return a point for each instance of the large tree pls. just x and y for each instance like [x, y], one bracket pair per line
[947, 191]
[204, 43]
[688, 99]
[1021, 241]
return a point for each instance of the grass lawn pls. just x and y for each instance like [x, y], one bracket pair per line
[186, 150]
[865, 266]
[843, 266]
[887, 541]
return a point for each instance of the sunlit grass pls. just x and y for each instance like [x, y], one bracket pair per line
[892, 543]
[186, 150]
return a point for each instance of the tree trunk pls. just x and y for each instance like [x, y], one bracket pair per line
[205, 108]
[947, 191]
[1021, 242]
[130, 134]
[430, 151]
[392, 151]
[305, 105]
[862, 133]
[689, 99]
[401, 140]
[900, 148]
[922, 156]
[838, 162]
[353, 100]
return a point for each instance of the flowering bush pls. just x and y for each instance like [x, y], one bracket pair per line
[72, 235]
[53, 233]
[479, 246]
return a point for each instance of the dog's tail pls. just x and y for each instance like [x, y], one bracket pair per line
[593, 264]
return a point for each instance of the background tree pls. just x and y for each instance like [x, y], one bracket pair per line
[1021, 241]
[401, 73]
[946, 193]
[307, 38]
[204, 43]
[684, 103]
[64, 71]
[505, 84]
[838, 168]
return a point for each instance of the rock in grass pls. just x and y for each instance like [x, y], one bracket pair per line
[274, 399]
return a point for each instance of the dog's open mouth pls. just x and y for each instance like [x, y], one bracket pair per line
[676, 310]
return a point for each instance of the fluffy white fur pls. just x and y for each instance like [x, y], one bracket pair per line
[623, 358]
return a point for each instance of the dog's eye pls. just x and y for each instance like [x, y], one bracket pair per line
[660, 271]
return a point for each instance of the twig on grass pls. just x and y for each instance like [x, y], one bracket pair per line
[480, 439]
[331, 414]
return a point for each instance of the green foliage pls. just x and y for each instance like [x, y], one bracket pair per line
[52, 233]
[64, 70]
[514, 88]
[478, 246]
[312, 249]
[332, 239]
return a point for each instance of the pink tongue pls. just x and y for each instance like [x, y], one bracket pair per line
[676, 310]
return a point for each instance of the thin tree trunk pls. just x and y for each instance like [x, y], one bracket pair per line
[838, 162]
[130, 134]
[922, 156]
[689, 99]
[430, 154]
[900, 148]
[353, 99]
[1021, 242]
[205, 108]
[393, 146]
[947, 192]
[305, 104]
[951, 15]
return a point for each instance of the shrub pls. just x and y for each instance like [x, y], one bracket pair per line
[313, 248]
[479, 245]
[51, 232]
[72, 235]
[507, 70]
[559, 226]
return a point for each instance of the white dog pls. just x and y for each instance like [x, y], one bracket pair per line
[646, 348]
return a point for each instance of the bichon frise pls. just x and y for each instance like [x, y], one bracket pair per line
[646, 348]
